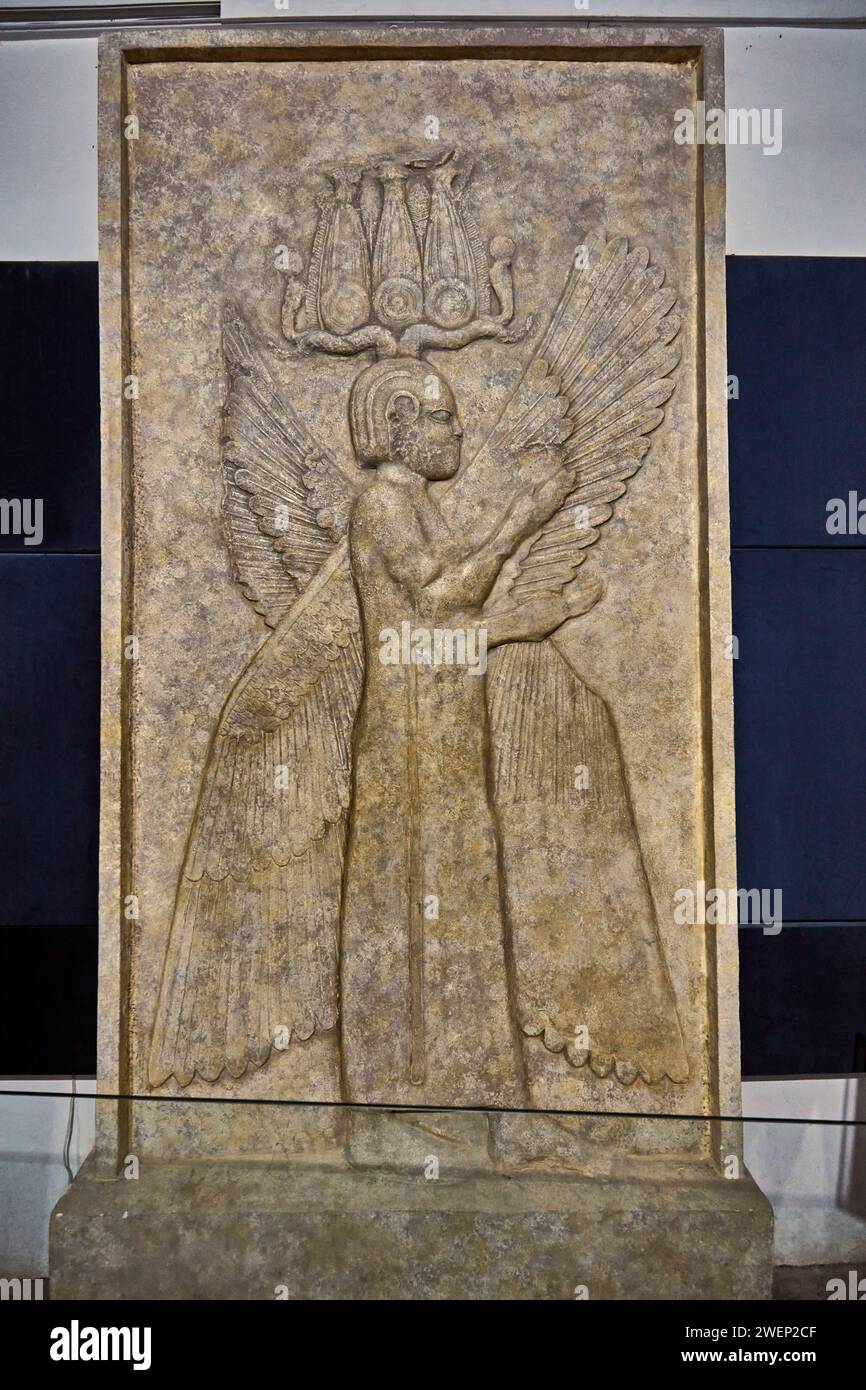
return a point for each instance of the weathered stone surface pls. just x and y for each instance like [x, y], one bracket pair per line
[416, 510]
[242, 1231]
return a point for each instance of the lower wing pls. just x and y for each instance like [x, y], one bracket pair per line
[252, 951]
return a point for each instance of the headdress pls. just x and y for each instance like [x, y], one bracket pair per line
[398, 265]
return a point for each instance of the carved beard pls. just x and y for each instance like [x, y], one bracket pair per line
[411, 447]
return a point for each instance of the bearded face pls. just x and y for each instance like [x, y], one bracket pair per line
[426, 434]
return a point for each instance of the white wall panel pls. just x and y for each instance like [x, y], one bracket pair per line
[810, 199]
[48, 150]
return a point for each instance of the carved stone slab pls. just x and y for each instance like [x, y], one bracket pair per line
[417, 708]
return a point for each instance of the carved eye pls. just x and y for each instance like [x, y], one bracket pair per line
[444, 415]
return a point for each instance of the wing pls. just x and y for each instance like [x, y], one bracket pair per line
[254, 937]
[594, 389]
[286, 500]
[586, 950]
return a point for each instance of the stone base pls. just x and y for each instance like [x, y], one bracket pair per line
[201, 1230]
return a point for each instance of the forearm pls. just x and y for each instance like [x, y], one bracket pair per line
[502, 628]
[501, 537]
[469, 581]
[526, 622]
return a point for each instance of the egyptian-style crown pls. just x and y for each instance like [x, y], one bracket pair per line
[398, 265]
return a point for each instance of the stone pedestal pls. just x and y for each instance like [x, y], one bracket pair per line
[259, 1231]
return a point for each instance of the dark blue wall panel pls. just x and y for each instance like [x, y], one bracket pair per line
[49, 399]
[802, 999]
[796, 336]
[800, 718]
[49, 739]
[48, 1001]
[49, 670]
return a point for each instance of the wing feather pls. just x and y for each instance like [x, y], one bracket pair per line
[253, 941]
[286, 500]
[611, 347]
[595, 390]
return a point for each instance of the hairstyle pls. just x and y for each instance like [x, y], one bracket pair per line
[373, 393]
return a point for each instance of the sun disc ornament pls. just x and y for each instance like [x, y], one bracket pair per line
[449, 302]
[398, 302]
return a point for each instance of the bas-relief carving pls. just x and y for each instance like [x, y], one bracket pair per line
[278, 921]
[431, 865]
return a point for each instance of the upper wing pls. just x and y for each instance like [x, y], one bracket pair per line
[594, 389]
[286, 499]
[254, 937]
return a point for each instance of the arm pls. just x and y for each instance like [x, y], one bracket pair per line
[471, 573]
[444, 566]
[385, 524]
[541, 617]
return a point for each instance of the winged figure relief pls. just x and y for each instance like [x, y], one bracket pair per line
[389, 847]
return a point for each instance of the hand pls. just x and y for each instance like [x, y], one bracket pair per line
[540, 617]
[581, 595]
[544, 485]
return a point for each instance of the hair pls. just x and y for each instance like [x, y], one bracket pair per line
[371, 397]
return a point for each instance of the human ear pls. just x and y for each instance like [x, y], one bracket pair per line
[403, 407]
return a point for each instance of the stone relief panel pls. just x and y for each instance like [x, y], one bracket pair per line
[417, 502]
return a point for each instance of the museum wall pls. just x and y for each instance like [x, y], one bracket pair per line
[797, 314]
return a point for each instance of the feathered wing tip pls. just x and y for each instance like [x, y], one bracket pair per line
[252, 966]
